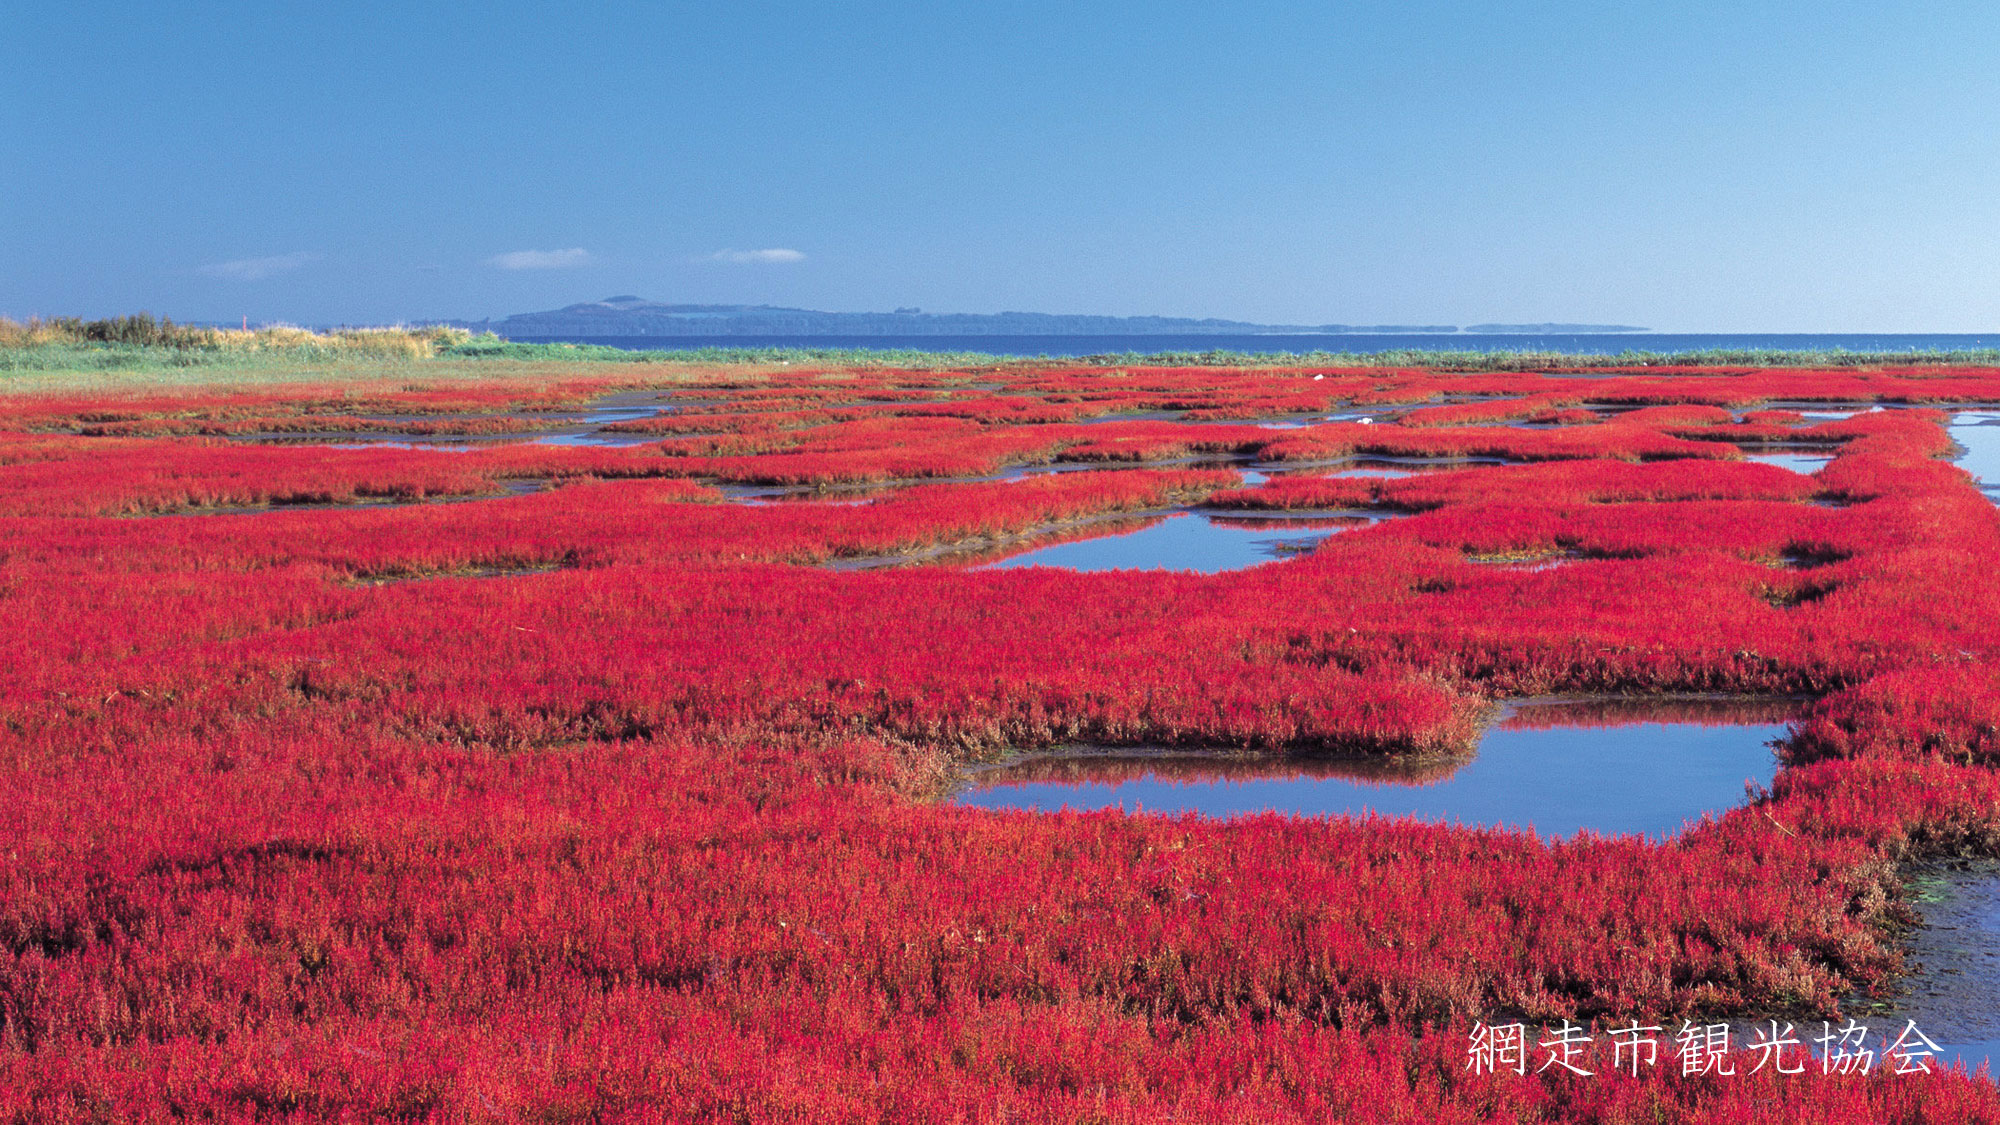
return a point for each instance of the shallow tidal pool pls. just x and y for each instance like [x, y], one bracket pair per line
[1978, 436]
[1611, 767]
[1185, 541]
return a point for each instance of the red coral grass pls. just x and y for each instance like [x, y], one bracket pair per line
[618, 803]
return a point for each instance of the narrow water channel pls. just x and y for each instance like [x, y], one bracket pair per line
[1798, 462]
[1953, 960]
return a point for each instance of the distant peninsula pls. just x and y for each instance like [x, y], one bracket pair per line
[627, 316]
[1548, 329]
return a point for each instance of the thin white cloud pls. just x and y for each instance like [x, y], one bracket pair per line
[257, 269]
[756, 257]
[541, 259]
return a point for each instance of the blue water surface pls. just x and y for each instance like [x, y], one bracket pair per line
[1355, 342]
[1647, 778]
[1186, 541]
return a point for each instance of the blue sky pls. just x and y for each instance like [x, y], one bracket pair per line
[1716, 167]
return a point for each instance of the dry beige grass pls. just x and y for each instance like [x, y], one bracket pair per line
[392, 342]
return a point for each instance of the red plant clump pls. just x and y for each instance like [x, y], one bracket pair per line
[591, 524]
[623, 806]
[302, 402]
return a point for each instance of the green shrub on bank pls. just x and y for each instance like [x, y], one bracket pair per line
[144, 344]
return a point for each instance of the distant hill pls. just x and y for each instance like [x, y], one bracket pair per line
[1551, 329]
[635, 316]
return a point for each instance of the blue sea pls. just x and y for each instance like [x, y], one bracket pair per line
[1355, 343]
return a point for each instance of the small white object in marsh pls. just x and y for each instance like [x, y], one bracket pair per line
[1368, 421]
[1317, 378]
